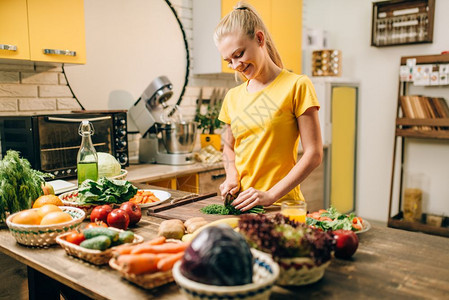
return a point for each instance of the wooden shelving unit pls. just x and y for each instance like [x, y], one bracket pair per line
[404, 130]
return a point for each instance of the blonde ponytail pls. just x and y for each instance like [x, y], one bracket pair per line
[245, 19]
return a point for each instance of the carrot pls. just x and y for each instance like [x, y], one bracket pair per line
[167, 263]
[322, 211]
[164, 248]
[138, 264]
[156, 241]
[123, 249]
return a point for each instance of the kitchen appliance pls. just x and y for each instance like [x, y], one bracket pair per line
[166, 138]
[51, 142]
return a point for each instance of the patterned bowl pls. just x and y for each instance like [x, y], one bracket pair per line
[71, 199]
[44, 235]
[265, 274]
[121, 176]
[300, 271]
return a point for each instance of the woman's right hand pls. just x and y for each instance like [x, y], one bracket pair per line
[230, 185]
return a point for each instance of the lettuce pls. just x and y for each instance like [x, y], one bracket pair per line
[105, 191]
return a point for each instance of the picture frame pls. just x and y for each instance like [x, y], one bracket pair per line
[402, 22]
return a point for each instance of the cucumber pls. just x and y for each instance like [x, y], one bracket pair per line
[100, 242]
[126, 237]
[96, 231]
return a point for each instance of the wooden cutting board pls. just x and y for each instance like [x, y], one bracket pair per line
[190, 210]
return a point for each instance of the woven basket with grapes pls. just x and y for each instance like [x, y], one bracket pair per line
[303, 253]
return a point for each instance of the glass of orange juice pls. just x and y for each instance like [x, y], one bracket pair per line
[295, 211]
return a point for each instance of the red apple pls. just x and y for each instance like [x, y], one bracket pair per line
[118, 218]
[133, 210]
[347, 243]
[100, 213]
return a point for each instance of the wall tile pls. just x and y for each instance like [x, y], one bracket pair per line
[18, 90]
[62, 79]
[20, 66]
[54, 91]
[36, 104]
[67, 104]
[39, 78]
[8, 104]
[9, 77]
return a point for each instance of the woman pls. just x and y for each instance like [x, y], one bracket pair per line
[265, 117]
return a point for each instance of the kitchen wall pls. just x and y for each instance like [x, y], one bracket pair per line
[348, 23]
[28, 87]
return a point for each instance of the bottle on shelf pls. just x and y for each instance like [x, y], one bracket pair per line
[87, 159]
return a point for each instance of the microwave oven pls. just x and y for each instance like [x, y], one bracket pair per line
[51, 142]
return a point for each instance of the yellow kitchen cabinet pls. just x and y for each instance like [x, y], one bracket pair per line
[282, 18]
[54, 30]
[14, 43]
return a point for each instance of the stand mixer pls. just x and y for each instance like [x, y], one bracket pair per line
[166, 139]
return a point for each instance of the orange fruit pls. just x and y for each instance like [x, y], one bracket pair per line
[47, 199]
[27, 217]
[56, 217]
[46, 209]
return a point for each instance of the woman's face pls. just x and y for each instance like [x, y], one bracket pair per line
[242, 54]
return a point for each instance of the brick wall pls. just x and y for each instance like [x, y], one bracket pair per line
[26, 87]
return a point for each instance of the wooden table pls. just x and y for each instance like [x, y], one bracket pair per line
[389, 264]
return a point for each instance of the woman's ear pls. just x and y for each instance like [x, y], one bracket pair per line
[260, 38]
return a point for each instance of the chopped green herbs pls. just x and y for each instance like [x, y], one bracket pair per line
[219, 209]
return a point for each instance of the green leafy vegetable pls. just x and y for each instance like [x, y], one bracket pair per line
[106, 191]
[218, 209]
[20, 185]
[338, 220]
[285, 238]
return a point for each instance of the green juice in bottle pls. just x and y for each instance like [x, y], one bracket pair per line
[87, 159]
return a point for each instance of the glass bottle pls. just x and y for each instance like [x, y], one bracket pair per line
[87, 159]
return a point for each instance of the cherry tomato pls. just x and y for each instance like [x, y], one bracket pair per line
[75, 237]
[357, 227]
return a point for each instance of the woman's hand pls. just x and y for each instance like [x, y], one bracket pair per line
[230, 185]
[252, 197]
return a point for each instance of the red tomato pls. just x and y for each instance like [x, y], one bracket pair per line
[96, 224]
[75, 237]
[118, 218]
[100, 213]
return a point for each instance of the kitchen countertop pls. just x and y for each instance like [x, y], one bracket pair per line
[389, 264]
[152, 172]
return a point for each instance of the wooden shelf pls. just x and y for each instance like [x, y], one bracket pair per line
[398, 222]
[422, 128]
[427, 59]
[402, 123]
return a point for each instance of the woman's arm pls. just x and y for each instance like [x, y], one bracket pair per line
[310, 132]
[232, 182]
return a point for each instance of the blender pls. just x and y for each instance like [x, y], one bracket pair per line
[166, 138]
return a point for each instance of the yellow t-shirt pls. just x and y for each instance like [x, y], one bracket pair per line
[265, 128]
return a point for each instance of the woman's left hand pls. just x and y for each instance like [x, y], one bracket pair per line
[252, 197]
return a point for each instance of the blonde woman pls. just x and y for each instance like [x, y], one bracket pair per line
[265, 117]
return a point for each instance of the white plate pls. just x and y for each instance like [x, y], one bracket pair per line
[366, 227]
[162, 195]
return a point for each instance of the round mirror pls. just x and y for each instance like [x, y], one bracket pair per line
[128, 43]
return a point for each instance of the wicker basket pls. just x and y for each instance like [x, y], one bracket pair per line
[147, 281]
[44, 235]
[300, 271]
[95, 257]
[265, 273]
[71, 199]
